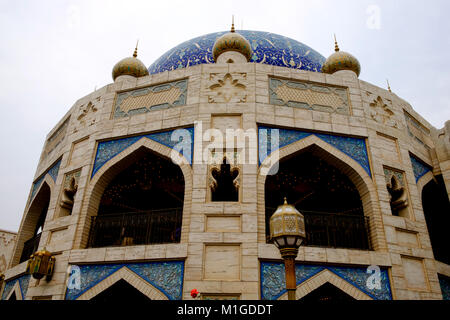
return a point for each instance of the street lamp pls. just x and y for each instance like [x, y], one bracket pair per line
[287, 230]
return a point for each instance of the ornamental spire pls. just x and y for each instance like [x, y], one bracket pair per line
[232, 23]
[389, 86]
[135, 50]
[336, 47]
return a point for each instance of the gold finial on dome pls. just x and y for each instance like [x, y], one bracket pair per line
[340, 61]
[130, 66]
[232, 24]
[135, 50]
[336, 47]
[389, 86]
[232, 41]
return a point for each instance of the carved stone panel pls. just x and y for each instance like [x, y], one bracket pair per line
[381, 111]
[309, 96]
[227, 88]
[155, 97]
[56, 138]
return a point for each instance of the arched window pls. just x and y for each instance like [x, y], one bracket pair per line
[436, 209]
[142, 204]
[34, 223]
[326, 197]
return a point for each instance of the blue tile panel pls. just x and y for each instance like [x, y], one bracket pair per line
[165, 276]
[355, 148]
[273, 281]
[445, 287]
[419, 167]
[107, 150]
[23, 284]
[53, 172]
[164, 102]
[268, 48]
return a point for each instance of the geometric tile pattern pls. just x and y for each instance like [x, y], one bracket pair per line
[165, 276]
[23, 284]
[273, 281]
[157, 97]
[268, 48]
[355, 148]
[107, 150]
[308, 96]
[53, 172]
[419, 167]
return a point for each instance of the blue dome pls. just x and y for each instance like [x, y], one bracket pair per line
[268, 48]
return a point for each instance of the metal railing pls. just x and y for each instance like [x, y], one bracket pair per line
[335, 230]
[30, 246]
[136, 228]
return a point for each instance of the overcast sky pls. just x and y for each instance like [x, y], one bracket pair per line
[55, 52]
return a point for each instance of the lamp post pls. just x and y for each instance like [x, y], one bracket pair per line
[287, 230]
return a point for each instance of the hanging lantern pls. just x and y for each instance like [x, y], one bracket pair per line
[41, 264]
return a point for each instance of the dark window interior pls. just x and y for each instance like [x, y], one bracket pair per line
[327, 293]
[121, 292]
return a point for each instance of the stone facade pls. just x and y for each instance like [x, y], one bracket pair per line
[223, 251]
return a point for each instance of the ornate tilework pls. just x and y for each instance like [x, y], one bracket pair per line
[355, 148]
[273, 281]
[268, 48]
[107, 150]
[53, 172]
[165, 276]
[308, 96]
[420, 168]
[143, 100]
[445, 287]
[23, 284]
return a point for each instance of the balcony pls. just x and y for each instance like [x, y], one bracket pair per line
[30, 247]
[136, 228]
[335, 230]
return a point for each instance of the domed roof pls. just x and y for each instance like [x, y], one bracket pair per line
[341, 60]
[131, 66]
[232, 41]
[267, 48]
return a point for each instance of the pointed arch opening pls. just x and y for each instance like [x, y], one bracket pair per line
[324, 189]
[122, 292]
[436, 208]
[140, 202]
[31, 230]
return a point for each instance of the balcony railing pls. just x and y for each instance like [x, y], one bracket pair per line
[30, 247]
[136, 228]
[335, 230]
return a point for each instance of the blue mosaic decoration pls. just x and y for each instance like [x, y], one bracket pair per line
[107, 150]
[53, 172]
[268, 48]
[420, 168]
[23, 284]
[165, 276]
[445, 287]
[355, 148]
[273, 281]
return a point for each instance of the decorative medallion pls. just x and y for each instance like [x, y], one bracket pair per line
[227, 88]
[382, 113]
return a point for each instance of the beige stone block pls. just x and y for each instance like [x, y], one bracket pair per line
[315, 254]
[414, 272]
[115, 254]
[176, 251]
[135, 253]
[155, 252]
[222, 262]
[408, 239]
[223, 224]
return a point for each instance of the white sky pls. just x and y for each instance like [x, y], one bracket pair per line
[54, 52]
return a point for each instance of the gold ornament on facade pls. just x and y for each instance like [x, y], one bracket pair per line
[41, 264]
[232, 41]
[130, 66]
[341, 60]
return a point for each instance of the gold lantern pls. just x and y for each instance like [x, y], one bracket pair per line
[41, 264]
[287, 230]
